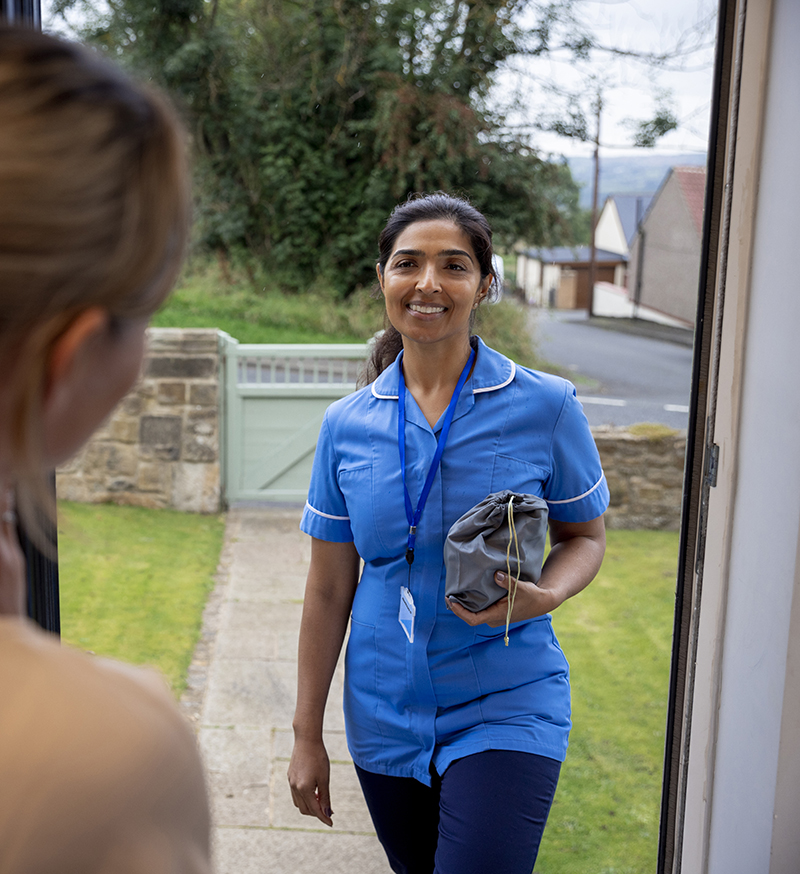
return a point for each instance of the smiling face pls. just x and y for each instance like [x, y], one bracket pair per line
[432, 283]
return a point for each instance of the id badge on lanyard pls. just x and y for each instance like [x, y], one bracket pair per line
[408, 610]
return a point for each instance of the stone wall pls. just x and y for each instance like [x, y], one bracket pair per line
[160, 448]
[644, 469]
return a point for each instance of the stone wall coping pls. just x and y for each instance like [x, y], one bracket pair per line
[624, 432]
[182, 341]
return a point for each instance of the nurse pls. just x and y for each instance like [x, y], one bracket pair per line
[457, 739]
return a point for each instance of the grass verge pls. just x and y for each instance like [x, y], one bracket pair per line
[134, 582]
[251, 313]
[233, 301]
[617, 637]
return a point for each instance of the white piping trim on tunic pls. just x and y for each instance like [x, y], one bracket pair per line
[585, 494]
[477, 391]
[327, 515]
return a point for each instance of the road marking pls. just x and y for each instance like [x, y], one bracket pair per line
[676, 408]
[606, 402]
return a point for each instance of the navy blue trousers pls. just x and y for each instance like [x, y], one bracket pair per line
[484, 815]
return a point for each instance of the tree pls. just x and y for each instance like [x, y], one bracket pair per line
[311, 119]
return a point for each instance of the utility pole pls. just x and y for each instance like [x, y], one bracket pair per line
[42, 570]
[598, 107]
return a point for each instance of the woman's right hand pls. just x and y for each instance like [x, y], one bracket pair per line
[309, 778]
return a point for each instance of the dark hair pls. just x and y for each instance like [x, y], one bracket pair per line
[424, 208]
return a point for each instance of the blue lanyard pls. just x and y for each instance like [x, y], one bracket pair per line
[412, 515]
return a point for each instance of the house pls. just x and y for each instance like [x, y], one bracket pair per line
[619, 220]
[559, 277]
[664, 264]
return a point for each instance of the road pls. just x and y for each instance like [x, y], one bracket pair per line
[621, 378]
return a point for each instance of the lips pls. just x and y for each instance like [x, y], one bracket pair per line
[426, 310]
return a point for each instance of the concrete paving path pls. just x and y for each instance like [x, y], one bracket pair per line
[241, 696]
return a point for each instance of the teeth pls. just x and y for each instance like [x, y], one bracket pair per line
[427, 310]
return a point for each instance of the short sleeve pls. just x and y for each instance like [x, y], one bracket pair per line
[576, 490]
[325, 515]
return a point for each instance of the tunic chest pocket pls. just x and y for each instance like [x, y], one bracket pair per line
[518, 476]
[377, 511]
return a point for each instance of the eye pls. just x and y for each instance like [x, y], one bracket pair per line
[403, 263]
[456, 266]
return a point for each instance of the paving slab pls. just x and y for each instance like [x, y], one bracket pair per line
[258, 629]
[266, 851]
[242, 696]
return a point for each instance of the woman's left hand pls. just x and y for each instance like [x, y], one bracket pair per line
[530, 601]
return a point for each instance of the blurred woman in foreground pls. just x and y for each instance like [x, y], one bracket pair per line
[98, 770]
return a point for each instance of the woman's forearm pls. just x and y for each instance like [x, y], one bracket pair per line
[332, 580]
[575, 557]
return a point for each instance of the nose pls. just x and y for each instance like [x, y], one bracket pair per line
[428, 282]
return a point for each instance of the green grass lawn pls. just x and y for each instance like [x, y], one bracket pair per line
[134, 582]
[235, 302]
[617, 637]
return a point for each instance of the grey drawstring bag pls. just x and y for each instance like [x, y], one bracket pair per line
[503, 530]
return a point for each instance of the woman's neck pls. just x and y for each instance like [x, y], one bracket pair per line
[431, 374]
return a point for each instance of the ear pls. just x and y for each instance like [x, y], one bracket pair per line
[69, 345]
[483, 289]
[89, 366]
[380, 276]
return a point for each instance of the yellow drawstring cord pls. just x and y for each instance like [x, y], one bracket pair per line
[512, 535]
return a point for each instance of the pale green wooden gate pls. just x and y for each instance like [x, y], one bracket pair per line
[273, 400]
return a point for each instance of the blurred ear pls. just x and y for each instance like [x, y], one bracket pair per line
[90, 366]
[69, 345]
[71, 391]
[380, 276]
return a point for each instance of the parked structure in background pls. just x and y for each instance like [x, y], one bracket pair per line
[559, 277]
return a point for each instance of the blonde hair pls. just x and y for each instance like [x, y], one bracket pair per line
[94, 211]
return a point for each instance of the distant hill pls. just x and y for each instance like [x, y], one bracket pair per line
[626, 174]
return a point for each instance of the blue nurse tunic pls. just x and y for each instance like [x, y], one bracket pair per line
[456, 690]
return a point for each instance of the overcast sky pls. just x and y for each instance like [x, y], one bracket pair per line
[629, 87]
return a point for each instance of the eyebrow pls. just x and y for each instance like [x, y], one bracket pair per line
[446, 252]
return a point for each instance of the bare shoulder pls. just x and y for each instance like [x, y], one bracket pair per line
[99, 749]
